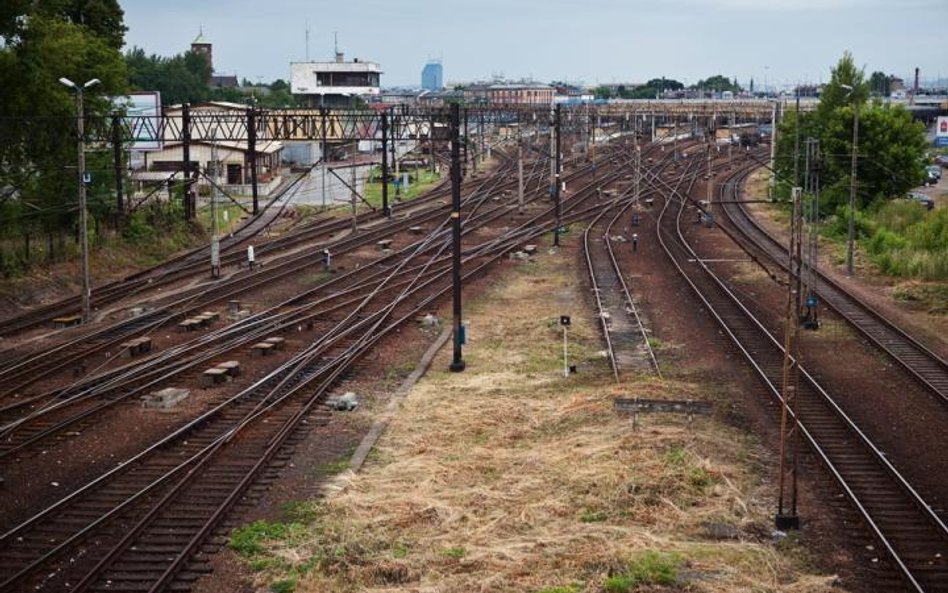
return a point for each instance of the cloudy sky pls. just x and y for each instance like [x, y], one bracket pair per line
[778, 41]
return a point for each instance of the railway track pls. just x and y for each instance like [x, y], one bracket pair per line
[147, 524]
[623, 331]
[912, 537]
[929, 369]
[195, 262]
[37, 418]
[222, 451]
[17, 372]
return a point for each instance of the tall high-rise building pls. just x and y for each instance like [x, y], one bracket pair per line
[432, 76]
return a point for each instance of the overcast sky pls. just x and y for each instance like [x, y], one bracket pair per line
[781, 42]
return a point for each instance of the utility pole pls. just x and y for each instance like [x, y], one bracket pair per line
[431, 145]
[325, 150]
[773, 150]
[556, 179]
[86, 296]
[796, 143]
[809, 260]
[465, 147]
[252, 155]
[119, 167]
[457, 362]
[710, 181]
[385, 209]
[394, 143]
[788, 519]
[215, 240]
[481, 136]
[851, 239]
[354, 197]
[189, 209]
[520, 175]
[638, 173]
[552, 152]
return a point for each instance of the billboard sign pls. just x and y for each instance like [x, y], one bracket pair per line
[143, 119]
[941, 127]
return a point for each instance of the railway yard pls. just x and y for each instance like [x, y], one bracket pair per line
[133, 446]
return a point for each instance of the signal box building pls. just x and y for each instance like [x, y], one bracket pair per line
[335, 84]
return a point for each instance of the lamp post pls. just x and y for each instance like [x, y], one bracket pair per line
[83, 215]
[851, 237]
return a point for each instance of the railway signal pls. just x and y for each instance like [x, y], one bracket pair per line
[565, 323]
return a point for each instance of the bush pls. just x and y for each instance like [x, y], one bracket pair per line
[885, 241]
[913, 243]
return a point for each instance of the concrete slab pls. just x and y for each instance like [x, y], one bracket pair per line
[165, 399]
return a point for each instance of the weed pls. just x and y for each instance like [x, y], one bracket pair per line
[247, 540]
[301, 511]
[593, 517]
[676, 456]
[455, 552]
[699, 478]
[284, 586]
[651, 568]
[400, 550]
[331, 468]
[574, 588]
[259, 564]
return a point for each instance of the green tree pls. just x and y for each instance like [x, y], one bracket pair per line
[879, 84]
[847, 86]
[717, 83]
[891, 145]
[182, 78]
[38, 152]
[103, 19]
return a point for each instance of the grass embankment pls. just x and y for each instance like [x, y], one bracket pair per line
[510, 477]
[899, 239]
[420, 181]
[146, 238]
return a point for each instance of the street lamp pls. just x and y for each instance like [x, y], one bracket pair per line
[83, 215]
[850, 243]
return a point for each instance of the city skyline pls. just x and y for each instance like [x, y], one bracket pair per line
[779, 44]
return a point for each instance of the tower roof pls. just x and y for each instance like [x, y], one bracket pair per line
[200, 39]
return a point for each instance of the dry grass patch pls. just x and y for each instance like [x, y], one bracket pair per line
[510, 477]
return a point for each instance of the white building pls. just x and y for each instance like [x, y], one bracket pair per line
[334, 84]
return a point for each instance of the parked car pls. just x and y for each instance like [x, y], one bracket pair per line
[933, 172]
[942, 160]
[921, 198]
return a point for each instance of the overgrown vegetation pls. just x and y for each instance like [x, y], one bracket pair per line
[901, 237]
[651, 568]
[260, 543]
